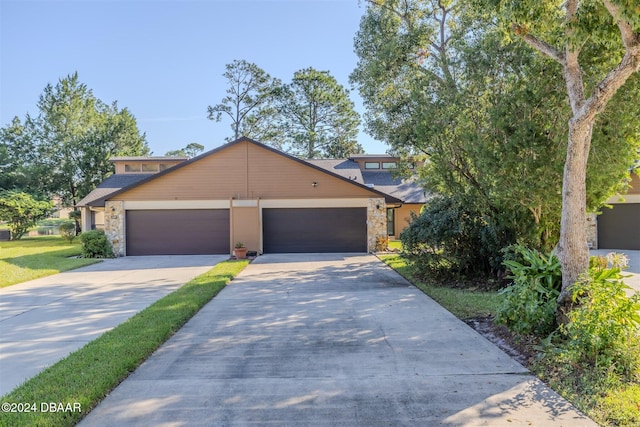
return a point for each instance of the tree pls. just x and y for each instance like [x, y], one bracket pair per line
[317, 117]
[21, 212]
[248, 103]
[191, 150]
[597, 45]
[438, 80]
[65, 149]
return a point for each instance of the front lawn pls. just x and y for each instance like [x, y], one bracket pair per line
[33, 257]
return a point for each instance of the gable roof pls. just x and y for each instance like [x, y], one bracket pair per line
[111, 185]
[405, 189]
[98, 196]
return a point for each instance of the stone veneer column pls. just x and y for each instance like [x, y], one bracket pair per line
[592, 230]
[114, 226]
[376, 222]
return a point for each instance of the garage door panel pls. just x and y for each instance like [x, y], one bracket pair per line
[314, 230]
[619, 228]
[178, 232]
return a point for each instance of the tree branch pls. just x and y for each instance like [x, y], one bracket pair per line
[539, 45]
[629, 38]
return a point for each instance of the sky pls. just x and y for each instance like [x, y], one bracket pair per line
[163, 59]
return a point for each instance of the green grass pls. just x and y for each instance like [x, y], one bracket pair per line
[86, 376]
[34, 257]
[463, 303]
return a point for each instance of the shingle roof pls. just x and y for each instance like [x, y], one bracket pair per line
[407, 190]
[110, 185]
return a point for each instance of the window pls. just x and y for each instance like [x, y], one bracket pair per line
[372, 165]
[389, 165]
[391, 222]
[149, 167]
[164, 166]
[132, 167]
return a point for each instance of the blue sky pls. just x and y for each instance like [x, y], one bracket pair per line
[164, 60]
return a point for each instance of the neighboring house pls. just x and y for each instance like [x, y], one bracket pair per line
[619, 227]
[248, 192]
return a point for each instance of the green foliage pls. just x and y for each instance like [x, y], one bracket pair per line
[602, 331]
[452, 235]
[529, 303]
[65, 149]
[21, 211]
[67, 231]
[191, 150]
[248, 103]
[95, 245]
[317, 118]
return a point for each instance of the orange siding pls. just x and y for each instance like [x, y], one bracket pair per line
[246, 227]
[403, 216]
[244, 171]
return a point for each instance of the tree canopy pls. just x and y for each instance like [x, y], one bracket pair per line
[248, 103]
[318, 118]
[596, 44]
[488, 115]
[65, 149]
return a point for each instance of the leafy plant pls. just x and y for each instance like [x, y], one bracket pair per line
[67, 231]
[602, 331]
[21, 211]
[95, 245]
[529, 304]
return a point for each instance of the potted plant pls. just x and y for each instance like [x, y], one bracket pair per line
[240, 251]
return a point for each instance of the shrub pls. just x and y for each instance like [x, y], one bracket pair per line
[67, 231]
[602, 331]
[449, 234]
[529, 304]
[95, 245]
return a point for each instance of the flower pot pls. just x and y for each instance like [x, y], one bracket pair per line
[240, 253]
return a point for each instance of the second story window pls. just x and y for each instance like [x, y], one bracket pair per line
[372, 165]
[132, 167]
[389, 165]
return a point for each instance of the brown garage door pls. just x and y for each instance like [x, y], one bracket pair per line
[619, 228]
[314, 230]
[178, 232]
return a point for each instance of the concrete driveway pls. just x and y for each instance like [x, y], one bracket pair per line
[337, 340]
[43, 320]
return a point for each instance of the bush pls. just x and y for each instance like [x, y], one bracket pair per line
[95, 245]
[529, 304]
[602, 331]
[67, 231]
[450, 235]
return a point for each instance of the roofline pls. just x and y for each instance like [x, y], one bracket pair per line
[388, 198]
[145, 158]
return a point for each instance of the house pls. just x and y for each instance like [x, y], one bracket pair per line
[248, 192]
[619, 227]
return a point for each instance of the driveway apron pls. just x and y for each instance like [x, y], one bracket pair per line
[43, 320]
[329, 339]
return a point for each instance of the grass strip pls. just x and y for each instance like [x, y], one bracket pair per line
[86, 376]
[34, 257]
[463, 303]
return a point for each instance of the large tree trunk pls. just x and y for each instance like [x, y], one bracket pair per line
[572, 249]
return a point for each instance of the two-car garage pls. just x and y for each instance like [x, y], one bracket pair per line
[207, 231]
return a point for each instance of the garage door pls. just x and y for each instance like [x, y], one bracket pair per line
[618, 227]
[178, 232]
[314, 230]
